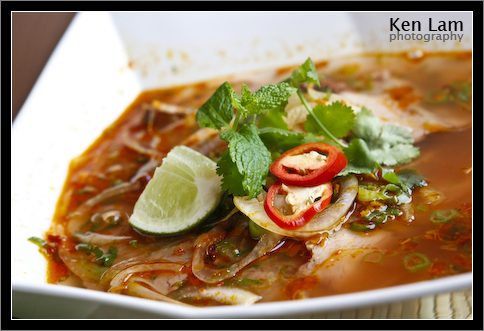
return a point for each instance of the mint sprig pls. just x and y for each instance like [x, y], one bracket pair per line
[246, 164]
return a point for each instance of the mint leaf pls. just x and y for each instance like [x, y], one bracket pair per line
[218, 111]
[336, 117]
[250, 155]
[267, 97]
[273, 118]
[306, 73]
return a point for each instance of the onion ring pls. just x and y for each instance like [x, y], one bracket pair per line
[328, 220]
[213, 275]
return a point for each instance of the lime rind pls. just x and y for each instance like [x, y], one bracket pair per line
[183, 192]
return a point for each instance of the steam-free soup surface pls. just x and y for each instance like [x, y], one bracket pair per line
[104, 183]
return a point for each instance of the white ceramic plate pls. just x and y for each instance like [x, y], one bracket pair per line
[104, 61]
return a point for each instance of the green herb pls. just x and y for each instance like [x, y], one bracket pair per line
[389, 144]
[237, 281]
[306, 73]
[443, 216]
[281, 140]
[117, 182]
[248, 281]
[246, 164]
[253, 126]
[423, 208]
[227, 247]
[362, 226]
[106, 258]
[374, 218]
[337, 118]
[255, 230]
[373, 257]
[360, 158]
[284, 268]
[250, 155]
[381, 216]
[459, 93]
[38, 241]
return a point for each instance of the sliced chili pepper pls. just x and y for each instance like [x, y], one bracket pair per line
[299, 219]
[298, 176]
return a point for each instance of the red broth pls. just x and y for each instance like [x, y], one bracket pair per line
[142, 135]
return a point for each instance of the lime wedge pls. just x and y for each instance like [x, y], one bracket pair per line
[184, 191]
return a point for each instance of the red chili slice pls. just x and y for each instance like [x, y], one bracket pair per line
[335, 162]
[294, 221]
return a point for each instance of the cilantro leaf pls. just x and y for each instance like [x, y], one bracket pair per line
[280, 140]
[250, 155]
[108, 258]
[306, 73]
[411, 179]
[360, 158]
[366, 126]
[336, 117]
[397, 154]
[389, 144]
[231, 177]
[217, 111]
[407, 179]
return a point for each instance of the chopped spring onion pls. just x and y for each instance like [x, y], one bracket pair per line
[256, 231]
[373, 257]
[416, 262]
[283, 269]
[371, 193]
[38, 241]
[443, 216]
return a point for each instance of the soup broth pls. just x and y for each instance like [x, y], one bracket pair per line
[430, 94]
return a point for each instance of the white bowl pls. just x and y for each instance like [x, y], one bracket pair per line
[104, 61]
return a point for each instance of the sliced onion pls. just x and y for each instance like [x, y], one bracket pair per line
[344, 240]
[213, 275]
[328, 220]
[222, 294]
[99, 239]
[146, 169]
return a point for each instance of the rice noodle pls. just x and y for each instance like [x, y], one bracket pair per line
[78, 217]
[212, 275]
[124, 275]
[170, 108]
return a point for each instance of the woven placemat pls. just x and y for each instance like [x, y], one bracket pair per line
[454, 305]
